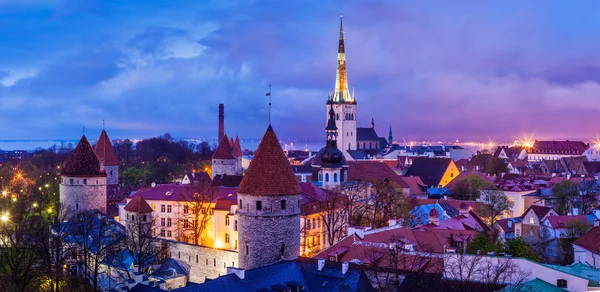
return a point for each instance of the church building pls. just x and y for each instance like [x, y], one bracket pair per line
[355, 143]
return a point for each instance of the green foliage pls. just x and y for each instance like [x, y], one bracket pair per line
[484, 243]
[563, 194]
[517, 247]
[496, 166]
[468, 188]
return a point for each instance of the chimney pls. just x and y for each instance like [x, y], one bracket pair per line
[221, 122]
[596, 222]
[344, 268]
[240, 273]
[434, 216]
[321, 264]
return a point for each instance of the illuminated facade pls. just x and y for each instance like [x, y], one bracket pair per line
[343, 102]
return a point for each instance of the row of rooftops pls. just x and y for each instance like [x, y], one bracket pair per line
[228, 148]
[545, 147]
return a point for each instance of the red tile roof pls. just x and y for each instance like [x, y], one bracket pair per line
[415, 183]
[83, 162]
[105, 151]
[138, 205]
[590, 240]
[370, 170]
[270, 172]
[559, 147]
[471, 221]
[539, 211]
[503, 223]
[237, 147]
[224, 150]
[563, 221]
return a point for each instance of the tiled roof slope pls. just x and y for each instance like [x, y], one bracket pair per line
[590, 240]
[105, 151]
[270, 172]
[366, 134]
[237, 147]
[138, 205]
[224, 150]
[559, 147]
[371, 170]
[431, 170]
[83, 161]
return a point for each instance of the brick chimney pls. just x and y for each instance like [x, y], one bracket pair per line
[221, 121]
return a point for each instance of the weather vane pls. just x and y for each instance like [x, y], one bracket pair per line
[269, 95]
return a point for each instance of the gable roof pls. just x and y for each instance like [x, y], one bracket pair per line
[559, 147]
[371, 170]
[105, 151]
[591, 167]
[225, 180]
[590, 240]
[539, 211]
[416, 184]
[366, 134]
[83, 162]
[224, 150]
[270, 172]
[562, 221]
[431, 170]
[237, 147]
[138, 205]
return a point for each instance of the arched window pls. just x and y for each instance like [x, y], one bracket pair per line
[349, 148]
[320, 175]
[370, 145]
[327, 177]
[335, 177]
[364, 145]
[337, 117]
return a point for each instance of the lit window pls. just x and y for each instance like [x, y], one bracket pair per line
[168, 208]
[226, 220]
[226, 237]
[153, 207]
[531, 220]
[235, 225]
[186, 209]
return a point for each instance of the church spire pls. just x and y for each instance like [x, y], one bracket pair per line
[390, 138]
[342, 94]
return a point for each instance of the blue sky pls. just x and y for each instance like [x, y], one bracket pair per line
[431, 69]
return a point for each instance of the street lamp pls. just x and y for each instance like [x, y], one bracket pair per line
[4, 217]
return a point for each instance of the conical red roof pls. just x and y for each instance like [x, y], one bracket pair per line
[83, 161]
[138, 205]
[270, 172]
[224, 150]
[237, 148]
[105, 151]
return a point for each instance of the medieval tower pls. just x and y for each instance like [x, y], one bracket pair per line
[344, 104]
[268, 207]
[108, 159]
[82, 182]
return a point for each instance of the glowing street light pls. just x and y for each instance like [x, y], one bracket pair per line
[4, 193]
[4, 217]
[35, 205]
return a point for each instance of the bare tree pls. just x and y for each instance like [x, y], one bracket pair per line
[197, 210]
[358, 194]
[54, 255]
[334, 216]
[495, 203]
[140, 243]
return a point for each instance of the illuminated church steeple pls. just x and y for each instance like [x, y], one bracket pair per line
[343, 103]
[341, 92]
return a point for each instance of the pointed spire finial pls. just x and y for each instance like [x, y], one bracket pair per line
[102, 124]
[269, 95]
[84, 130]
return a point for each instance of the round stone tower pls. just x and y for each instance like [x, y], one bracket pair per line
[138, 219]
[82, 182]
[268, 207]
[223, 160]
[108, 159]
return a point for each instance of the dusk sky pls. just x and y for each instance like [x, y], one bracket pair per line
[431, 69]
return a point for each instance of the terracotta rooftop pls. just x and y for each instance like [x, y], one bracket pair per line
[590, 240]
[559, 147]
[540, 211]
[138, 205]
[237, 148]
[83, 161]
[105, 151]
[563, 221]
[224, 150]
[270, 172]
[370, 170]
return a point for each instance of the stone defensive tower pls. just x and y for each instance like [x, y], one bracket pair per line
[268, 207]
[82, 182]
[108, 159]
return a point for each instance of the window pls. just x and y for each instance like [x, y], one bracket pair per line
[145, 218]
[186, 223]
[127, 216]
[235, 225]
[162, 232]
[283, 204]
[153, 207]
[169, 222]
[111, 172]
[85, 181]
[162, 208]
[345, 176]
[258, 205]
[168, 208]
[335, 177]
[226, 220]
[320, 175]
[186, 209]
[162, 221]
[226, 237]
[169, 234]
[70, 181]
[235, 244]
[531, 220]
[76, 206]
[132, 217]
[308, 224]
[241, 204]
[561, 283]
[247, 250]
[153, 221]
[282, 249]
[327, 177]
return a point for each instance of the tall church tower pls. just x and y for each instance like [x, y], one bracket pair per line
[329, 164]
[344, 104]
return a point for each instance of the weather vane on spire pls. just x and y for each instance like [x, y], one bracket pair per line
[269, 95]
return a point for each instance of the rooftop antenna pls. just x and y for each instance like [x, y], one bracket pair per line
[269, 95]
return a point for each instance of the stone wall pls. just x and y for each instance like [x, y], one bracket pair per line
[205, 262]
[112, 174]
[83, 193]
[224, 166]
[265, 233]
